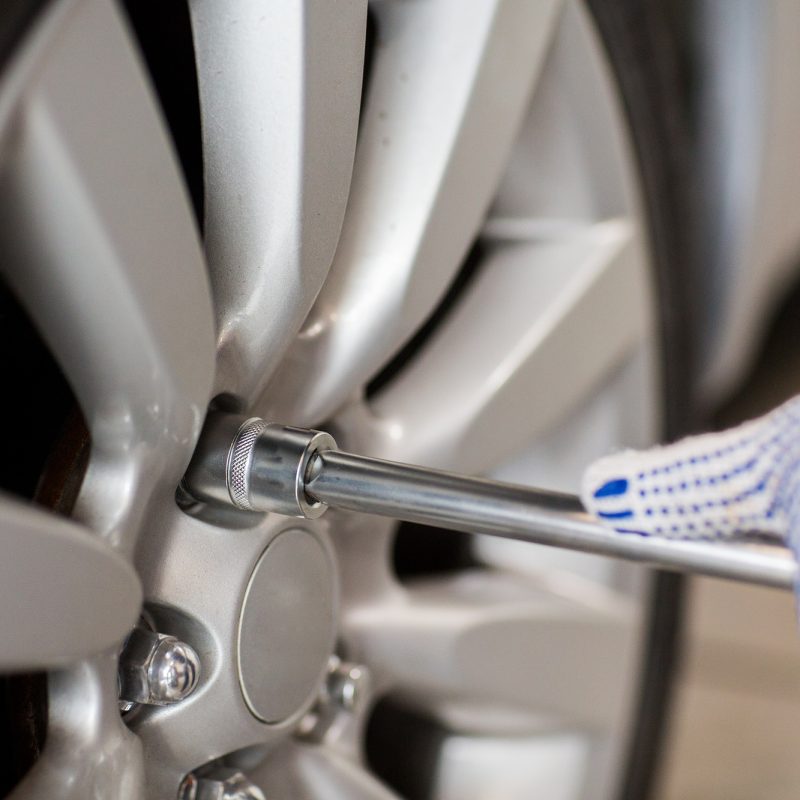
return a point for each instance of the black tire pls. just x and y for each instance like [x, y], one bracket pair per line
[643, 49]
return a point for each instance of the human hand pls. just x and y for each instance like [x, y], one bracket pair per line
[713, 486]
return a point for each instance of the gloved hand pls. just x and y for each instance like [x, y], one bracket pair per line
[717, 485]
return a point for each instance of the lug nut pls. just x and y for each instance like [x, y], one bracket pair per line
[346, 689]
[156, 669]
[347, 684]
[224, 784]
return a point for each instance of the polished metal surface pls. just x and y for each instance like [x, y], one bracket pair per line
[287, 625]
[343, 697]
[156, 669]
[347, 684]
[476, 505]
[281, 458]
[226, 784]
[255, 466]
[207, 473]
[239, 462]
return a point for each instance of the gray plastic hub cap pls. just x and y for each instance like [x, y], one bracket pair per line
[286, 629]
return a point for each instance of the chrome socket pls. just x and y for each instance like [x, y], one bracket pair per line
[255, 465]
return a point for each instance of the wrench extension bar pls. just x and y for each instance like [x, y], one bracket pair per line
[258, 466]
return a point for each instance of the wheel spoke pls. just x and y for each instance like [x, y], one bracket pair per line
[436, 133]
[88, 752]
[551, 765]
[100, 246]
[54, 577]
[286, 78]
[533, 336]
[318, 773]
[485, 638]
[102, 250]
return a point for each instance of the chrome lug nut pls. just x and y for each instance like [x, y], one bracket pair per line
[156, 669]
[347, 684]
[343, 694]
[224, 784]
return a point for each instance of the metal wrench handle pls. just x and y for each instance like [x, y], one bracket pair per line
[301, 473]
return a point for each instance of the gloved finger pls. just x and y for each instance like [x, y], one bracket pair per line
[715, 485]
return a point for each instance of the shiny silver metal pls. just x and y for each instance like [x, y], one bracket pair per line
[281, 468]
[225, 784]
[344, 694]
[240, 461]
[156, 670]
[255, 465]
[347, 684]
[475, 505]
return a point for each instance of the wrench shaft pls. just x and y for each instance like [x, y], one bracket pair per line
[474, 505]
[259, 466]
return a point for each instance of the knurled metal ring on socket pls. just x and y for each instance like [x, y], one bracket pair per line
[240, 458]
[267, 464]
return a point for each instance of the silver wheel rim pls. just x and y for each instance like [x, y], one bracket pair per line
[329, 240]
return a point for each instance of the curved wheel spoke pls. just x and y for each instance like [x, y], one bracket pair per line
[533, 336]
[88, 752]
[489, 638]
[548, 765]
[317, 773]
[435, 137]
[103, 252]
[280, 89]
[54, 578]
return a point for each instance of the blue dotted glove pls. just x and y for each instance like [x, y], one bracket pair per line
[717, 485]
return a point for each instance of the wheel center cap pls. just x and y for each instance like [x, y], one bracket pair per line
[287, 625]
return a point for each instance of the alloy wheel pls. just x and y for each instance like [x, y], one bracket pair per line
[449, 267]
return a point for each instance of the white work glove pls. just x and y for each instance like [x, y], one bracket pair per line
[714, 486]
